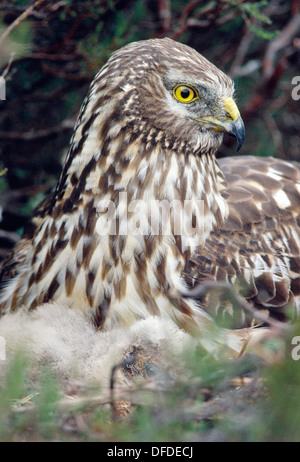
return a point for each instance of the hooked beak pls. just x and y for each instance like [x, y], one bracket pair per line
[236, 128]
[233, 125]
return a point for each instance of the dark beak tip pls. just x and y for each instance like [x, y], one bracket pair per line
[238, 131]
[240, 144]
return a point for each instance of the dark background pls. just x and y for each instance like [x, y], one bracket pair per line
[51, 50]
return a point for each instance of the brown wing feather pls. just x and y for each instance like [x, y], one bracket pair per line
[258, 248]
[9, 267]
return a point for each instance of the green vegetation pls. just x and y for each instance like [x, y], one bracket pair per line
[254, 398]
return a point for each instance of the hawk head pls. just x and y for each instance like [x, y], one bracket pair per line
[169, 93]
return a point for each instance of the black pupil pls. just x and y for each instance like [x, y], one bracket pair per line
[185, 93]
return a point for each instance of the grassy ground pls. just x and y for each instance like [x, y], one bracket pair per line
[254, 398]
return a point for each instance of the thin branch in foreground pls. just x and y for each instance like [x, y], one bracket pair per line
[202, 289]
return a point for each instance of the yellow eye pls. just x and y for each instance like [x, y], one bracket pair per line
[185, 93]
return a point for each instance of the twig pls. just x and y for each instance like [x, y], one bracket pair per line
[37, 134]
[70, 33]
[164, 15]
[275, 133]
[7, 69]
[136, 395]
[70, 403]
[63, 75]
[268, 86]
[227, 401]
[19, 19]
[9, 235]
[295, 7]
[14, 194]
[241, 52]
[54, 57]
[183, 25]
[279, 43]
[58, 5]
[204, 287]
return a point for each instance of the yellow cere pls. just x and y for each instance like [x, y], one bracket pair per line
[185, 93]
[231, 108]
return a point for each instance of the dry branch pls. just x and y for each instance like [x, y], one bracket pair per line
[19, 19]
[282, 41]
[223, 288]
[37, 134]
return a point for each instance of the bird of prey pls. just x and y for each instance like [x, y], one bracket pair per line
[143, 213]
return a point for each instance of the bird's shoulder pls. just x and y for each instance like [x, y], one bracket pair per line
[258, 247]
[260, 191]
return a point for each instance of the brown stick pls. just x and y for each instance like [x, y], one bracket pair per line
[200, 290]
[34, 135]
[278, 43]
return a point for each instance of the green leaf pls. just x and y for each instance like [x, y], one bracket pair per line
[266, 35]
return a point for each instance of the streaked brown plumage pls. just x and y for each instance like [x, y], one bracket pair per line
[149, 128]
